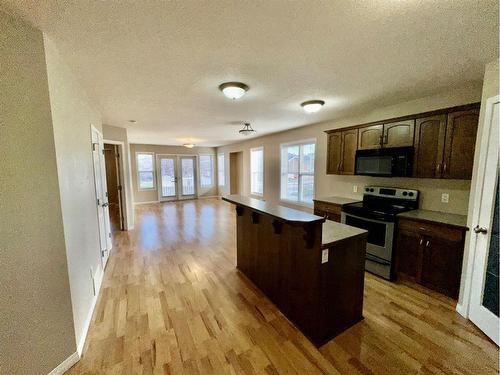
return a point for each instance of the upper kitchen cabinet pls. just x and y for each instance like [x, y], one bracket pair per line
[370, 137]
[429, 146]
[342, 146]
[460, 141]
[398, 134]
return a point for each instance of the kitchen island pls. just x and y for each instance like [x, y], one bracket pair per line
[312, 270]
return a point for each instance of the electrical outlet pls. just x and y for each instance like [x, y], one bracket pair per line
[445, 198]
[324, 256]
[355, 188]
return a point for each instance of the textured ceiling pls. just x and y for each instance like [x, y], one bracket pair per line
[161, 62]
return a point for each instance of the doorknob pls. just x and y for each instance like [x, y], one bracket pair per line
[105, 204]
[479, 229]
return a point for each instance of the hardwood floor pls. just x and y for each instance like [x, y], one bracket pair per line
[172, 302]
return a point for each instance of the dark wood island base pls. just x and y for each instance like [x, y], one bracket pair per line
[312, 270]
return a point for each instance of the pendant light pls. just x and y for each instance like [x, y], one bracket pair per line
[247, 129]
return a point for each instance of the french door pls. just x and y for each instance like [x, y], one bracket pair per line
[484, 299]
[101, 195]
[177, 177]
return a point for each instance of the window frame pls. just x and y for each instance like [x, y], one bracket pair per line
[212, 170]
[260, 148]
[223, 170]
[300, 143]
[138, 171]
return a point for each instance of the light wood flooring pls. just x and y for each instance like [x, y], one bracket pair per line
[172, 302]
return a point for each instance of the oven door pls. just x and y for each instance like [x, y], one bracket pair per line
[380, 235]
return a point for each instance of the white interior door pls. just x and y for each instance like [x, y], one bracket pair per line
[187, 180]
[167, 166]
[101, 194]
[484, 237]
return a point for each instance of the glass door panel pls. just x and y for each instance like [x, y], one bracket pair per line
[188, 173]
[168, 178]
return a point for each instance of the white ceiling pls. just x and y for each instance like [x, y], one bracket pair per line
[160, 63]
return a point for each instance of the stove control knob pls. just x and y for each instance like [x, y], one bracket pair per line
[405, 193]
[410, 194]
[372, 190]
[367, 189]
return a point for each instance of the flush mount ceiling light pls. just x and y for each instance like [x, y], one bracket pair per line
[188, 145]
[312, 106]
[247, 129]
[233, 90]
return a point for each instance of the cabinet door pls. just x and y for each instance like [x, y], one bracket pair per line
[408, 254]
[334, 153]
[461, 129]
[442, 265]
[429, 146]
[370, 137]
[399, 134]
[349, 147]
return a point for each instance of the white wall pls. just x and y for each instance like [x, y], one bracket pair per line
[72, 114]
[114, 133]
[491, 88]
[328, 185]
[36, 321]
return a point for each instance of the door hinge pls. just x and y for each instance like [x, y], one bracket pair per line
[118, 155]
[109, 234]
[119, 187]
[106, 194]
[98, 202]
[103, 152]
[93, 146]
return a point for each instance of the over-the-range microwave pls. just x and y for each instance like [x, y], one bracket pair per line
[385, 162]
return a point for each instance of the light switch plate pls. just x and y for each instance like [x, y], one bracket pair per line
[445, 198]
[324, 256]
[355, 188]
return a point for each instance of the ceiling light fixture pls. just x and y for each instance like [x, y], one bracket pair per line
[247, 129]
[233, 90]
[188, 145]
[312, 106]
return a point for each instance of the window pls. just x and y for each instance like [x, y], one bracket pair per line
[206, 170]
[297, 172]
[221, 170]
[145, 171]
[257, 171]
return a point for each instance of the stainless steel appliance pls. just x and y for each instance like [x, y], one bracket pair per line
[385, 162]
[377, 214]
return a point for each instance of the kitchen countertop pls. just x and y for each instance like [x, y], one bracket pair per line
[336, 200]
[279, 212]
[334, 232]
[436, 217]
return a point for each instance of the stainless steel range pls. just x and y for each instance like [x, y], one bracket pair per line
[377, 214]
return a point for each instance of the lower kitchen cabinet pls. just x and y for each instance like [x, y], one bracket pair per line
[430, 254]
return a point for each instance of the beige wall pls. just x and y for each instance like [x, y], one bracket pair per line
[152, 195]
[36, 321]
[114, 133]
[328, 185]
[72, 114]
[491, 88]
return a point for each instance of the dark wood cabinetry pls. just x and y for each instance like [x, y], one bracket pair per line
[430, 254]
[444, 142]
[370, 137]
[461, 129]
[398, 134]
[429, 146]
[342, 146]
[328, 210]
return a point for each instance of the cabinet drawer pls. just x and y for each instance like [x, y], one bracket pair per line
[330, 208]
[431, 229]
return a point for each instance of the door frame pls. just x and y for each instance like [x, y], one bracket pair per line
[159, 181]
[464, 307]
[177, 157]
[105, 248]
[125, 190]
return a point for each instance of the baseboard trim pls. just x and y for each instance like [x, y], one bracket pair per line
[208, 196]
[98, 282]
[66, 364]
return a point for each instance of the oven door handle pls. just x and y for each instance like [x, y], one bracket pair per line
[366, 219]
[375, 259]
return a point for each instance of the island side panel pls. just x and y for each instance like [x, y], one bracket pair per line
[342, 286]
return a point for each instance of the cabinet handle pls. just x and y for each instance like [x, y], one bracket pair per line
[338, 167]
[445, 167]
[427, 243]
[421, 241]
[438, 168]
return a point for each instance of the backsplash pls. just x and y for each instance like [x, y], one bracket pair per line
[430, 190]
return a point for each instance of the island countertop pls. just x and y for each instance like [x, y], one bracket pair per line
[279, 212]
[334, 232]
[340, 201]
